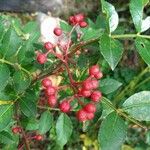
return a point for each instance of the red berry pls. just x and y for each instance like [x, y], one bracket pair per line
[94, 83]
[16, 130]
[71, 20]
[48, 45]
[96, 96]
[38, 137]
[65, 106]
[85, 93]
[82, 115]
[90, 116]
[52, 100]
[98, 75]
[90, 108]
[83, 24]
[57, 31]
[46, 82]
[78, 18]
[87, 85]
[50, 91]
[94, 70]
[41, 58]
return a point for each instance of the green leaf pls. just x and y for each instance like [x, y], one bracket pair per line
[82, 61]
[38, 46]
[5, 115]
[5, 96]
[145, 2]
[31, 27]
[2, 29]
[63, 129]
[30, 123]
[27, 48]
[33, 30]
[6, 138]
[109, 85]
[106, 108]
[111, 50]
[21, 81]
[112, 132]
[4, 76]
[90, 33]
[65, 26]
[100, 22]
[136, 10]
[45, 123]
[143, 47]
[28, 107]
[27, 51]
[10, 43]
[91, 23]
[138, 106]
[17, 25]
[111, 15]
[148, 137]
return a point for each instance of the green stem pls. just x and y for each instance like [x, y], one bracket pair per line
[120, 112]
[120, 36]
[130, 36]
[6, 62]
[108, 103]
[143, 82]
[131, 85]
[26, 71]
[48, 108]
[12, 64]
[144, 36]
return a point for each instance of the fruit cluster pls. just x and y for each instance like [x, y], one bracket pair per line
[64, 39]
[78, 20]
[50, 92]
[85, 89]
[18, 130]
[88, 91]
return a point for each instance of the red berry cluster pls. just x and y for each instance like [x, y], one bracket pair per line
[78, 20]
[50, 48]
[85, 89]
[87, 112]
[64, 41]
[50, 92]
[88, 90]
[18, 130]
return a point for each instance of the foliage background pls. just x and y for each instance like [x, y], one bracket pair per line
[18, 40]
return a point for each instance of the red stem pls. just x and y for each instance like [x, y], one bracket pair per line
[26, 140]
[68, 44]
[63, 87]
[69, 74]
[20, 147]
[80, 102]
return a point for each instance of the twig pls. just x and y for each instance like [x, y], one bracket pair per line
[120, 112]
